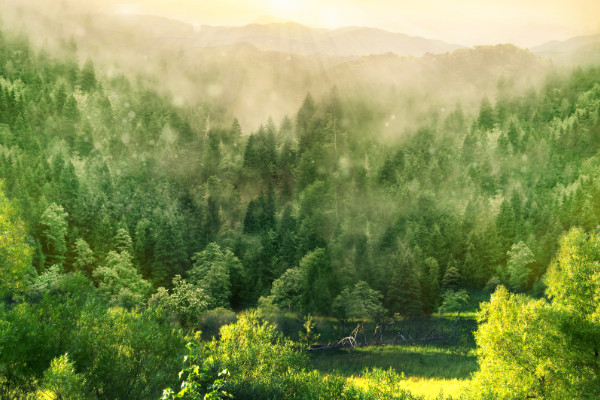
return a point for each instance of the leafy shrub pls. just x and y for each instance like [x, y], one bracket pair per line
[198, 380]
[185, 303]
[453, 301]
[253, 349]
[211, 321]
[61, 381]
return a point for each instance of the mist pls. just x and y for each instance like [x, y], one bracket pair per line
[328, 208]
[243, 81]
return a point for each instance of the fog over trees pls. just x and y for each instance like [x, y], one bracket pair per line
[144, 199]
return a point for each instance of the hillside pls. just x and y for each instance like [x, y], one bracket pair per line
[183, 220]
[581, 50]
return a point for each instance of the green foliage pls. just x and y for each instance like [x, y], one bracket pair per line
[453, 301]
[573, 279]
[309, 335]
[212, 320]
[486, 117]
[360, 302]
[198, 381]
[518, 266]
[404, 293]
[264, 365]
[530, 348]
[492, 284]
[117, 353]
[315, 268]
[61, 381]
[212, 272]
[123, 242]
[54, 231]
[518, 340]
[384, 384]
[47, 280]
[185, 303]
[326, 204]
[15, 252]
[430, 284]
[125, 353]
[252, 349]
[88, 76]
[84, 257]
[451, 278]
[119, 281]
[287, 290]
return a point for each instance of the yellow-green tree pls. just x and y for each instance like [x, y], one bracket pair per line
[545, 349]
[15, 253]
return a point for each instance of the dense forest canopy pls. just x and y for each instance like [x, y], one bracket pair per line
[125, 217]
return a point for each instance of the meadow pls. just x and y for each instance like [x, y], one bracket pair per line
[431, 369]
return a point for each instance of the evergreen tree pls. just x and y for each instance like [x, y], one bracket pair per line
[451, 278]
[88, 76]
[15, 252]
[122, 242]
[213, 271]
[518, 266]
[119, 281]
[486, 119]
[316, 269]
[53, 225]
[84, 257]
[305, 115]
[404, 292]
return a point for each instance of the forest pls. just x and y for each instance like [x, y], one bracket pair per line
[149, 249]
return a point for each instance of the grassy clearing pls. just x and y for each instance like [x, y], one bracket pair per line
[432, 371]
[433, 389]
[414, 361]
[429, 370]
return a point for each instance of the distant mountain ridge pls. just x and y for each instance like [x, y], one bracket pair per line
[291, 37]
[579, 50]
[238, 71]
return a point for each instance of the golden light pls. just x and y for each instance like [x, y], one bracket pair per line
[126, 8]
[284, 8]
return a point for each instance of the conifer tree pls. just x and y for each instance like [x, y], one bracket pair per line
[404, 292]
[54, 234]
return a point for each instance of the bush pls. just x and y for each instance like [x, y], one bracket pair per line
[212, 321]
[454, 301]
[253, 349]
[62, 382]
[185, 303]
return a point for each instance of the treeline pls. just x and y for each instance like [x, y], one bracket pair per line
[109, 173]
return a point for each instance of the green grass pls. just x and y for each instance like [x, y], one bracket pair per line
[414, 361]
[433, 389]
[429, 370]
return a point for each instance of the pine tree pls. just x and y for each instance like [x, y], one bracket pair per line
[84, 257]
[88, 76]
[404, 292]
[316, 270]
[486, 119]
[122, 242]
[452, 277]
[54, 234]
[505, 226]
[170, 257]
[305, 115]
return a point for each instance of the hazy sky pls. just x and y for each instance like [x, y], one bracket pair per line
[469, 22]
